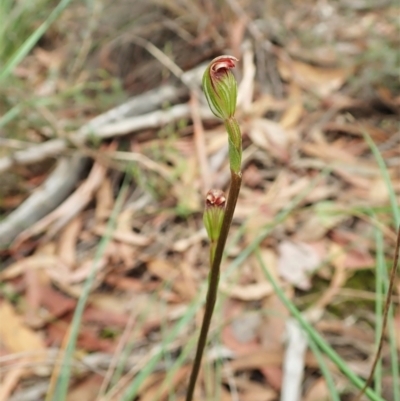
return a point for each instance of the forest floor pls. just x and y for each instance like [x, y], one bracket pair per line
[101, 233]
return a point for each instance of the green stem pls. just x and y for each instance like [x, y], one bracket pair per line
[235, 144]
[213, 247]
[236, 180]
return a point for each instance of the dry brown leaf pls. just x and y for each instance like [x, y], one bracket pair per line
[56, 303]
[10, 379]
[253, 391]
[239, 348]
[320, 219]
[33, 297]
[258, 359]
[324, 55]
[17, 337]
[322, 81]
[125, 220]
[378, 134]
[163, 269]
[249, 292]
[127, 254]
[128, 237]
[357, 335]
[273, 327]
[86, 389]
[258, 392]
[241, 335]
[272, 334]
[104, 201]
[85, 269]
[338, 280]
[52, 264]
[358, 259]
[68, 240]
[49, 59]
[183, 244]
[161, 390]
[266, 103]
[297, 260]
[284, 189]
[253, 177]
[169, 273]
[378, 193]
[397, 329]
[88, 339]
[273, 375]
[110, 303]
[271, 136]
[354, 258]
[103, 317]
[318, 391]
[124, 283]
[329, 152]
[293, 113]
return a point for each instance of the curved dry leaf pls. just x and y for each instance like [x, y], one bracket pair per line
[124, 236]
[17, 337]
[68, 240]
[250, 292]
[318, 391]
[318, 80]
[270, 136]
[293, 113]
[46, 262]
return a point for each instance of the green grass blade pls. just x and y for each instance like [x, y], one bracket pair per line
[385, 174]
[394, 360]
[28, 45]
[9, 115]
[61, 389]
[315, 336]
[325, 370]
[390, 325]
[379, 279]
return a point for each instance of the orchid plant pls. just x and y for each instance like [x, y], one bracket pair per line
[220, 88]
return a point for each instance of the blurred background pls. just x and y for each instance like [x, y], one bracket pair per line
[107, 150]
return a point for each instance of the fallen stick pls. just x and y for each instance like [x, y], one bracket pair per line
[120, 120]
[44, 199]
[145, 103]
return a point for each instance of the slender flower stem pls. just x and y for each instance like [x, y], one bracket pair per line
[220, 89]
[236, 181]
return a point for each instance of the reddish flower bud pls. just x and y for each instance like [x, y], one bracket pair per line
[220, 87]
[214, 213]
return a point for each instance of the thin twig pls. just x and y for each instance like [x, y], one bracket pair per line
[385, 316]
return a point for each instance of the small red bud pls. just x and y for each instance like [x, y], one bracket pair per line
[214, 213]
